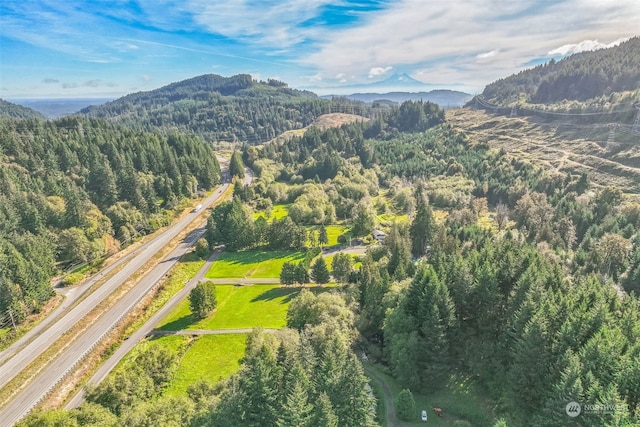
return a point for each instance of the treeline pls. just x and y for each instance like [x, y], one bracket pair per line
[304, 376]
[218, 108]
[533, 309]
[506, 313]
[74, 189]
[579, 77]
[14, 111]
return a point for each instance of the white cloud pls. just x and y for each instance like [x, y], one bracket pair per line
[474, 42]
[378, 71]
[488, 55]
[585, 45]
[272, 24]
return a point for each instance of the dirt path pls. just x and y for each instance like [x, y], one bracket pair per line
[392, 419]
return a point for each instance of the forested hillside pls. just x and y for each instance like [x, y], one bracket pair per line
[11, 110]
[218, 108]
[74, 189]
[533, 307]
[580, 77]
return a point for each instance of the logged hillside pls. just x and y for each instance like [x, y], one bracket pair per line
[577, 115]
[73, 189]
[219, 108]
[580, 77]
[610, 156]
[14, 111]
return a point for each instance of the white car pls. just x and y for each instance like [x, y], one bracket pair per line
[424, 416]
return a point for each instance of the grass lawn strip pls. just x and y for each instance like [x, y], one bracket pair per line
[238, 307]
[277, 212]
[251, 264]
[210, 357]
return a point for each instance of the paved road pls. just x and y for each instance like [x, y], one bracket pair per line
[71, 296]
[37, 389]
[143, 331]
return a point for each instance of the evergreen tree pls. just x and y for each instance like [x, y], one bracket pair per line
[297, 410]
[323, 237]
[319, 272]
[288, 273]
[405, 405]
[301, 274]
[341, 267]
[236, 167]
[423, 224]
[324, 414]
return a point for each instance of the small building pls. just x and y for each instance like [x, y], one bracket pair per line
[379, 235]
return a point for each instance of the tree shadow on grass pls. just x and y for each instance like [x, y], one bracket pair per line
[287, 293]
[275, 293]
[258, 256]
[179, 324]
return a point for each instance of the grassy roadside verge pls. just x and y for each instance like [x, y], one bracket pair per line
[108, 345]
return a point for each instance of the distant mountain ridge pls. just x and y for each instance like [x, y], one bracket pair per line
[442, 97]
[236, 108]
[54, 108]
[580, 77]
[15, 111]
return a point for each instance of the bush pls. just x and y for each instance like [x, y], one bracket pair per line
[405, 405]
[202, 247]
[202, 299]
[72, 279]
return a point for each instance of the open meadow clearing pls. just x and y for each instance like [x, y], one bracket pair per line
[251, 264]
[208, 357]
[277, 212]
[460, 399]
[238, 307]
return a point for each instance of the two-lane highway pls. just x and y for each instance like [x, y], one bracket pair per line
[45, 381]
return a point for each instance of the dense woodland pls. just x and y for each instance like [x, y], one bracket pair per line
[14, 111]
[74, 190]
[218, 108]
[579, 77]
[539, 309]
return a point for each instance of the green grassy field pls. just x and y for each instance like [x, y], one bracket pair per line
[356, 261]
[387, 219]
[277, 212]
[238, 307]
[333, 231]
[460, 399]
[184, 270]
[256, 264]
[209, 357]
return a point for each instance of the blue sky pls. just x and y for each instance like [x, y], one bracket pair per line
[108, 48]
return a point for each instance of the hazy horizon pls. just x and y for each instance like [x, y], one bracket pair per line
[83, 49]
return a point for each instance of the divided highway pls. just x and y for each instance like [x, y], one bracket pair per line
[37, 389]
